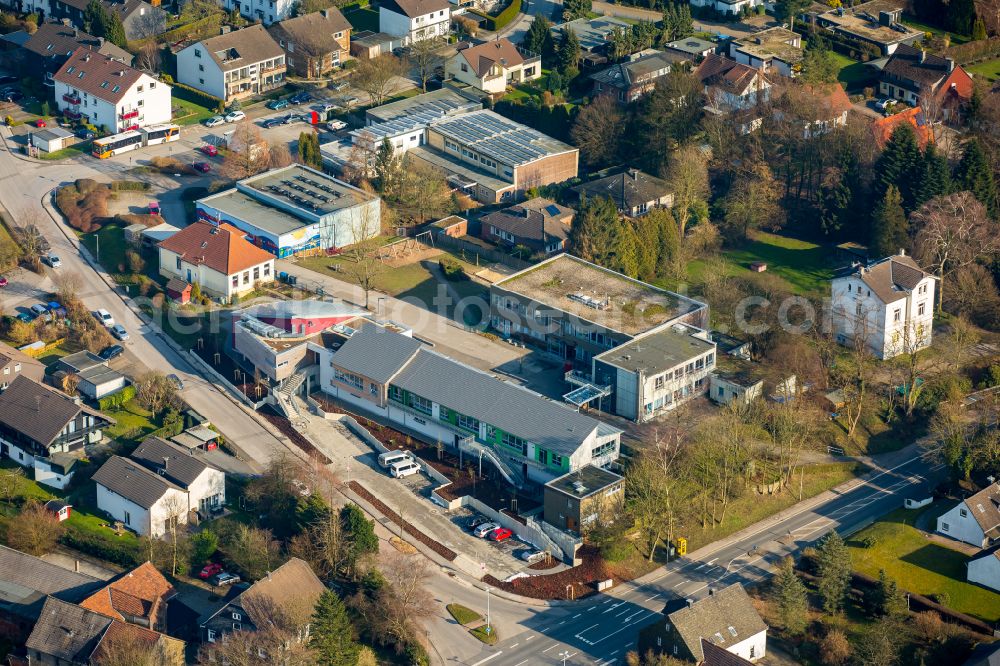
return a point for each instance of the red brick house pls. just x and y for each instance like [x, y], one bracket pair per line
[919, 78]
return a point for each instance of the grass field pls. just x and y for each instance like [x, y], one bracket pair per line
[853, 74]
[920, 565]
[132, 423]
[805, 266]
[77, 149]
[190, 113]
[989, 69]
[937, 32]
[463, 614]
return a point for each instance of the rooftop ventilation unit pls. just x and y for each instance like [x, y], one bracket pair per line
[589, 301]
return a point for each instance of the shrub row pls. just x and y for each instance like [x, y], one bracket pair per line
[452, 269]
[129, 186]
[443, 551]
[123, 553]
[501, 20]
[169, 430]
[116, 400]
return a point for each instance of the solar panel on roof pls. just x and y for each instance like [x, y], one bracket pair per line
[552, 210]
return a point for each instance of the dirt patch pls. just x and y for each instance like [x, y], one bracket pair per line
[440, 549]
[405, 252]
[576, 583]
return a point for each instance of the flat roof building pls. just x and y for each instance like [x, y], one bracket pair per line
[876, 23]
[774, 49]
[583, 497]
[295, 210]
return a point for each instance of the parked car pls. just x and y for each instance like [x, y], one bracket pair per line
[52, 260]
[476, 521]
[119, 332]
[41, 311]
[215, 121]
[340, 85]
[7, 78]
[404, 468]
[209, 150]
[276, 104]
[500, 534]
[111, 351]
[25, 317]
[3, 281]
[154, 207]
[532, 556]
[12, 95]
[326, 107]
[234, 116]
[272, 122]
[300, 98]
[41, 123]
[176, 381]
[105, 318]
[224, 578]
[485, 529]
[883, 104]
[336, 125]
[209, 570]
[85, 134]
[350, 99]
[203, 167]
[56, 308]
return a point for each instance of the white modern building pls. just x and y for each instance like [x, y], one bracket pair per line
[415, 20]
[109, 94]
[888, 303]
[234, 65]
[976, 520]
[264, 11]
[160, 483]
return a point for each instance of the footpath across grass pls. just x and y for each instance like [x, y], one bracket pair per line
[920, 565]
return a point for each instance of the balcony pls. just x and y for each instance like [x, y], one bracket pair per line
[71, 98]
[130, 128]
[130, 114]
[74, 115]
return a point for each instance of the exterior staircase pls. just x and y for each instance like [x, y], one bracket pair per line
[473, 448]
[285, 396]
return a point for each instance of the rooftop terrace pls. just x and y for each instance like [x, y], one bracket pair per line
[773, 43]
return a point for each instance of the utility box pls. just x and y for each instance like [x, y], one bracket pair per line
[682, 546]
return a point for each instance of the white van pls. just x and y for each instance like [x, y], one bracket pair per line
[385, 460]
[404, 468]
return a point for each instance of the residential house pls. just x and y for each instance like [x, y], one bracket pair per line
[593, 35]
[731, 8]
[984, 568]
[731, 86]
[415, 20]
[695, 48]
[493, 66]
[25, 582]
[889, 304]
[262, 11]
[105, 92]
[923, 79]
[159, 486]
[777, 50]
[139, 18]
[633, 192]
[293, 588]
[314, 44]
[15, 363]
[526, 437]
[883, 128]
[986, 654]
[538, 224]
[725, 618]
[95, 378]
[975, 520]
[234, 65]
[877, 24]
[71, 635]
[52, 44]
[634, 78]
[218, 258]
[820, 108]
[583, 497]
[40, 427]
[139, 596]
[572, 310]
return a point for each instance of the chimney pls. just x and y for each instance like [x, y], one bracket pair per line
[66, 22]
[325, 13]
[902, 252]
[100, 43]
[166, 463]
[76, 33]
[76, 566]
[923, 55]
[711, 592]
[690, 602]
[634, 173]
[951, 64]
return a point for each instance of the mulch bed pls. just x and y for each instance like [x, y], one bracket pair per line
[583, 579]
[283, 425]
[443, 551]
[543, 565]
[227, 367]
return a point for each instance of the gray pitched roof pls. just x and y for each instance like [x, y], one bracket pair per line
[24, 401]
[891, 276]
[58, 40]
[725, 618]
[294, 582]
[985, 508]
[538, 220]
[66, 631]
[510, 408]
[917, 66]
[415, 8]
[627, 190]
[25, 581]
[641, 70]
[241, 48]
[312, 33]
[376, 353]
[132, 481]
[181, 467]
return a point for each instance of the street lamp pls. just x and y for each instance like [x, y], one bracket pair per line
[489, 627]
[564, 655]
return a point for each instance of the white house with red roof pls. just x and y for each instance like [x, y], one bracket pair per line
[109, 94]
[216, 257]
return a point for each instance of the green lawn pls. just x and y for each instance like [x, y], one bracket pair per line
[463, 614]
[805, 266]
[77, 149]
[937, 32]
[988, 69]
[853, 74]
[27, 487]
[190, 113]
[363, 19]
[108, 246]
[920, 565]
[133, 423]
[488, 638]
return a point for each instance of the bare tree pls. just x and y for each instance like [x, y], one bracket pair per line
[752, 201]
[128, 646]
[361, 259]
[248, 153]
[155, 391]
[175, 509]
[149, 56]
[376, 76]
[35, 530]
[656, 490]
[688, 181]
[598, 130]
[423, 190]
[10, 482]
[425, 58]
[953, 232]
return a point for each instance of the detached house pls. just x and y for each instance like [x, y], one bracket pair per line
[633, 192]
[216, 257]
[776, 50]
[139, 18]
[40, 427]
[139, 596]
[976, 520]
[539, 224]
[628, 81]
[235, 65]
[731, 86]
[415, 20]
[493, 66]
[14, 363]
[888, 303]
[984, 568]
[53, 43]
[314, 43]
[917, 77]
[108, 93]
[263, 11]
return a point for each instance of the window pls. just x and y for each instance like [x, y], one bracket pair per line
[557, 460]
[421, 404]
[178, 262]
[945, 527]
[256, 273]
[267, 269]
[197, 53]
[201, 68]
[236, 281]
[128, 518]
[467, 422]
[602, 450]
[515, 443]
[237, 616]
[895, 314]
[921, 309]
[348, 378]
[543, 456]
[858, 309]
[237, 626]
[465, 67]
[152, 84]
[658, 383]
[211, 635]
[963, 513]
[373, 387]
[395, 393]
[246, 277]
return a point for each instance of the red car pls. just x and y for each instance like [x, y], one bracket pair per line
[39, 123]
[499, 534]
[3, 282]
[209, 150]
[210, 570]
[203, 167]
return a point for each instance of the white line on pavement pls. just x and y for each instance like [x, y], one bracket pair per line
[522, 662]
[576, 616]
[549, 648]
[652, 597]
[492, 656]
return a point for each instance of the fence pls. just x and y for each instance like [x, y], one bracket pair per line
[481, 253]
[238, 394]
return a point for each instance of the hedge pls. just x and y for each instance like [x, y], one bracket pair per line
[169, 430]
[500, 21]
[195, 96]
[123, 553]
[116, 400]
[129, 186]
[452, 269]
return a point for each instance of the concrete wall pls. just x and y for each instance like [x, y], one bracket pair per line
[233, 391]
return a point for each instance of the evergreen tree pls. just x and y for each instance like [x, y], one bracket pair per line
[974, 174]
[961, 15]
[789, 10]
[113, 30]
[593, 235]
[360, 534]
[311, 510]
[668, 241]
[834, 572]
[331, 634]
[386, 168]
[791, 597]
[569, 50]
[627, 255]
[648, 244]
[538, 39]
[843, 210]
[685, 22]
[898, 164]
[935, 177]
[574, 9]
[886, 599]
[669, 22]
[978, 29]
[93, 18]
[890, 230]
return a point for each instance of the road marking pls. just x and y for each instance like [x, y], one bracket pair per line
[712, 561]
[652, 597]
[588, 629]
[532, 635]
[492, 656]
[561, 623]
[546, 649]
[613, 607]
[521, 662]
[576, 616]
[625, 626]
[514, 646]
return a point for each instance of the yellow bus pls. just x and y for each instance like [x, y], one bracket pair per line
[117, 143]
[155, 134]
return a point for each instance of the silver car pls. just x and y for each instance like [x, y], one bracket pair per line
[485, 529]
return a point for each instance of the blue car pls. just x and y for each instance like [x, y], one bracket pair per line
[277, 104]
[85, 134]
[300, 98]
